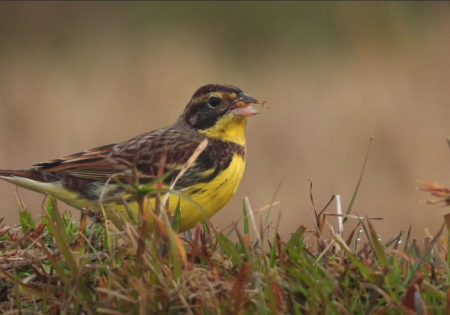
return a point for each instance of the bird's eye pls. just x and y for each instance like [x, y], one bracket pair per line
[214, 101]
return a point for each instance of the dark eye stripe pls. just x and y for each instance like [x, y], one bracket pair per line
[204, 117]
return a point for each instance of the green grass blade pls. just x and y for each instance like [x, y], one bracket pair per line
[229, 249]
[174, 249]
[55, 264]
[56, 220]
[60, 237]
[177, 216]
[273, 251]
[296, 237]
[352, 201]
[26, 221]
[246, 226]
[423, 255]
[377, 246]
[362, 268]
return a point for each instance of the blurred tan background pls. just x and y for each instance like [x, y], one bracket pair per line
[78, 75]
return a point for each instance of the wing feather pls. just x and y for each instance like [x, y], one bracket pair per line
[144, 151]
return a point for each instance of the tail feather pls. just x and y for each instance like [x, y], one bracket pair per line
[33, 175]
[29, 179]
[45, 183]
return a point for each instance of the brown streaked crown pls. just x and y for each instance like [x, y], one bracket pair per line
[209, 88]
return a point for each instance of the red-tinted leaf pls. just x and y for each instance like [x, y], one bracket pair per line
[409, 300]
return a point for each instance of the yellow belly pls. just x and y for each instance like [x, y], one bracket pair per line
[211, 196]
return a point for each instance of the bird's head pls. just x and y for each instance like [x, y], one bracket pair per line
[220, 111]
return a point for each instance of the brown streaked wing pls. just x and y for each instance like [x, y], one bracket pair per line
[145, 150]
[94, 159]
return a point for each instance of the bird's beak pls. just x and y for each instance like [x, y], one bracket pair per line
[241, 106]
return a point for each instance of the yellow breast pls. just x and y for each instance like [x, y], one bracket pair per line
[211, 196]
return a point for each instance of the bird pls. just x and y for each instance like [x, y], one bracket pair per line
[216, 112]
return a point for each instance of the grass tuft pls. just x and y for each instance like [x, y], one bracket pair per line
[59, 265]
[63, 266]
